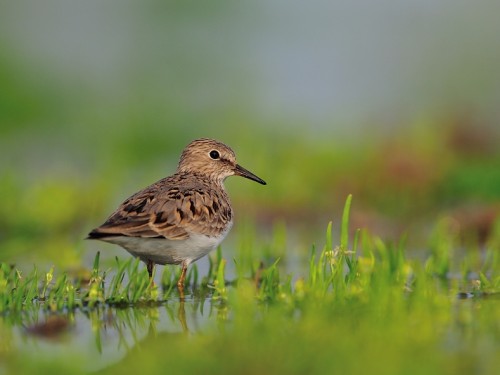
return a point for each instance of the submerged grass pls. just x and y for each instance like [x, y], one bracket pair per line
[362, 305]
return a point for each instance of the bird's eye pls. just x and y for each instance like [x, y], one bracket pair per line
[214, 154]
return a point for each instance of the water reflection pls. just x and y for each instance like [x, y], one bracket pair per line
[102, 335]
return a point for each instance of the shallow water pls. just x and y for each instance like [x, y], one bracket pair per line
[103, 335]
[100, 337]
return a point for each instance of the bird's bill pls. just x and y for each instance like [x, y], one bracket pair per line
[240, 171]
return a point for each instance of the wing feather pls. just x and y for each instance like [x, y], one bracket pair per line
[167, 211]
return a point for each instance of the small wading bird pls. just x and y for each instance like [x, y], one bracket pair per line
[180, 218]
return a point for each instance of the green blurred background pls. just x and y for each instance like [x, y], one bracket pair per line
[394, 102]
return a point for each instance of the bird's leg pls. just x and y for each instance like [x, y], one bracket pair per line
[180, 282]
[150, 265]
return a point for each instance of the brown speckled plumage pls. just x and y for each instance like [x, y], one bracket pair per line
[172, 208]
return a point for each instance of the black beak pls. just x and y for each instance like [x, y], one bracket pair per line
[240, 171]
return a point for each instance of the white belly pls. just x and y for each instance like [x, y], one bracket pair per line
[164, 251]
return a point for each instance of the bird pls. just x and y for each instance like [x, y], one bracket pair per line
[182, 217]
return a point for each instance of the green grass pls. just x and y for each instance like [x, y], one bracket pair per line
[363, 305]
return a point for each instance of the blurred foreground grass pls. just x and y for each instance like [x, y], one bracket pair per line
[362, 305]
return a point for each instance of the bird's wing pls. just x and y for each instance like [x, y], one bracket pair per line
[170, 213]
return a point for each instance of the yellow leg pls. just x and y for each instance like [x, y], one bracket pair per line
[180, 283]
